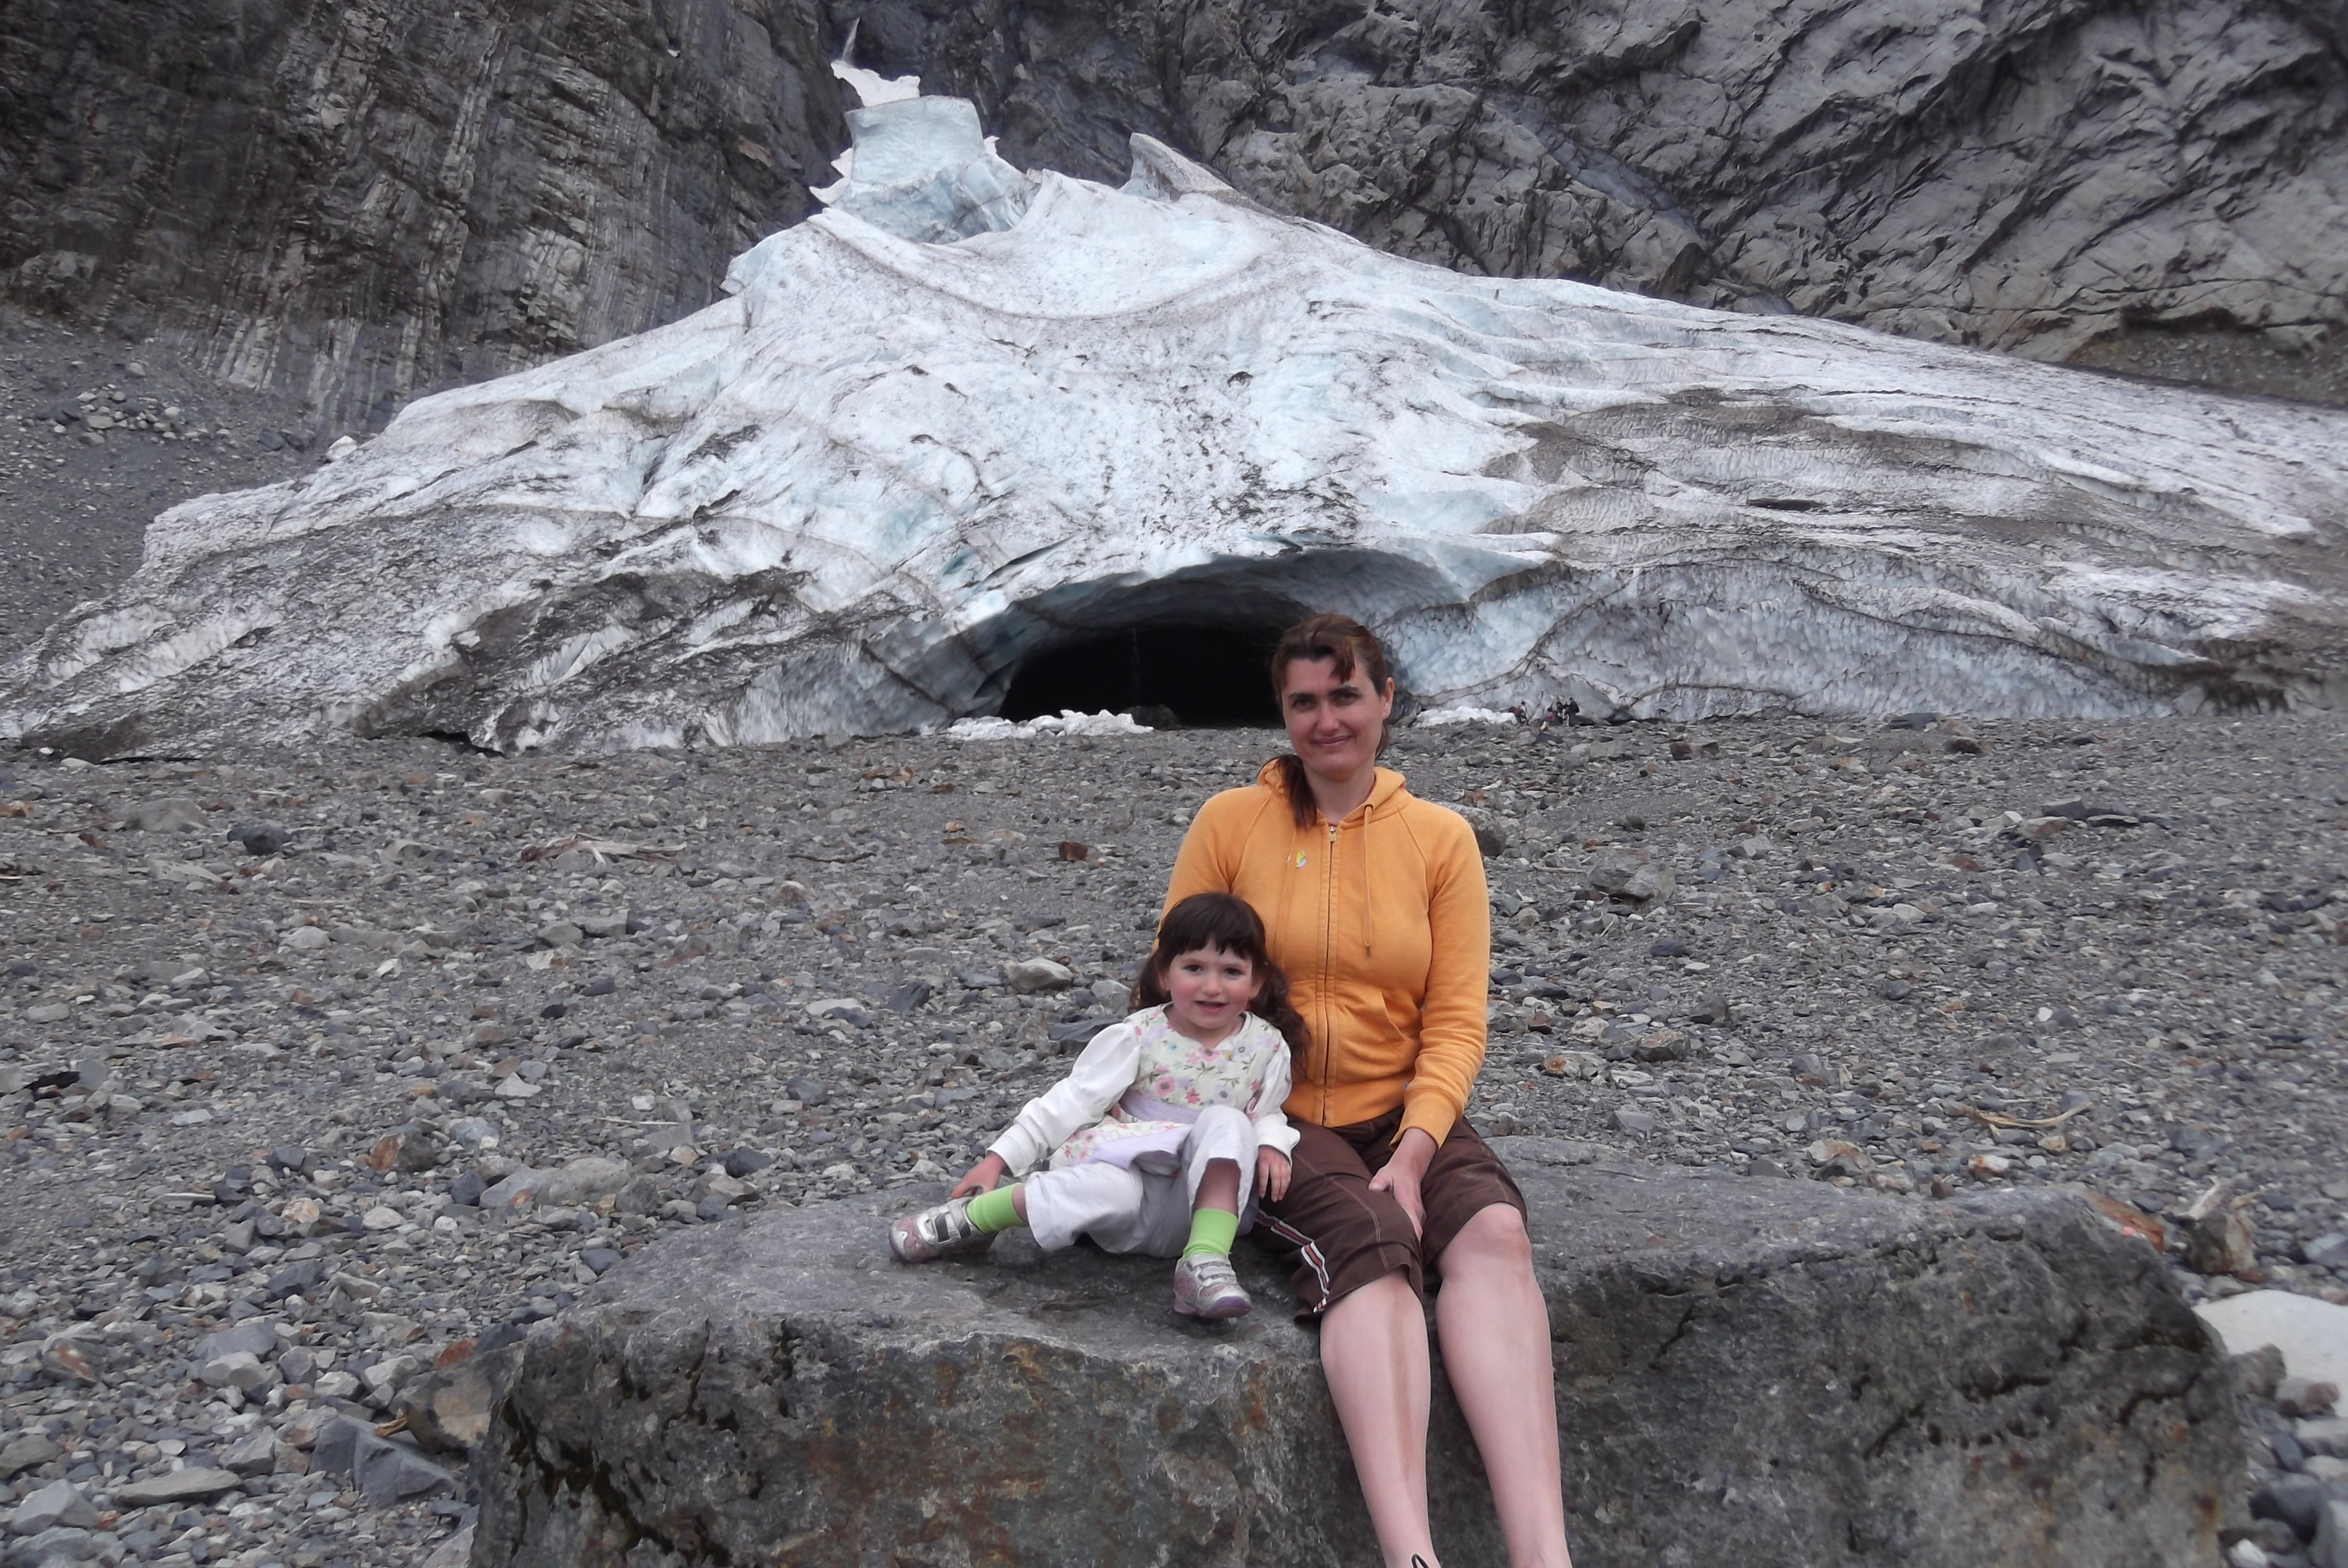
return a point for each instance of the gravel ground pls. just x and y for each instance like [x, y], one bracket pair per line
[76, 498]
[289, 1091]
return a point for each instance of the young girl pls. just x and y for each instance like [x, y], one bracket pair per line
[1169, 1123]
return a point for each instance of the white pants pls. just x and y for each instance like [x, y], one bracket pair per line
[1146, 1209]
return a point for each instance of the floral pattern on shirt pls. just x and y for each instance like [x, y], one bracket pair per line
[1175, 1069]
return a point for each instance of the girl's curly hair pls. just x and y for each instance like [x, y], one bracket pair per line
[1225, 923]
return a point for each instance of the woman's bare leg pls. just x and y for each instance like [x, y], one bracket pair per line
[1374, 1353]
[1495, 1331]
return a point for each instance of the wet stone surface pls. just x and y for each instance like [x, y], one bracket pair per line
[334, 1100]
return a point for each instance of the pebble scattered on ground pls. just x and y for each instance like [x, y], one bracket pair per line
[326, 1075]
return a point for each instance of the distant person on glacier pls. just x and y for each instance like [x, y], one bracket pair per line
[1374, 906]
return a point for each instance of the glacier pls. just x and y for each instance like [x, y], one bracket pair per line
[967, 415]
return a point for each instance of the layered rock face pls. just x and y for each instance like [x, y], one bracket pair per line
[967, 418]
[2160, 188]
[1746, 1371]
[358, 203]
[363, 202]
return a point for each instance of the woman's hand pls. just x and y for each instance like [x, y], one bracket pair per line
[1402, 1172]
[983, 1177]
[1271, 1173]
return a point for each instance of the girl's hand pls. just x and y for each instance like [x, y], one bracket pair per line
[1401, 1176]
[983, 1177]
[1271, 1173]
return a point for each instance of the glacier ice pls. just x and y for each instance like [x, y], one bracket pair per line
[968, 414]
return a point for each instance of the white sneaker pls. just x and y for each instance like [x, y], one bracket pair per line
[1207, 1287]
[941, 1232]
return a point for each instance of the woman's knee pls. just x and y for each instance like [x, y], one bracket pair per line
[1494, 1239]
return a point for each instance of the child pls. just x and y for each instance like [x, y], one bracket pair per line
[1160, 1132]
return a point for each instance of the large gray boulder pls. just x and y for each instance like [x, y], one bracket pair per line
[1747, 1371]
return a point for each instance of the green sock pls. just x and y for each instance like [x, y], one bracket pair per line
[992, 1212]
[1211, 1231]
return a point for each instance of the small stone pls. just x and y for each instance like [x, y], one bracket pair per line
[191, 1485]
[386, 1376]
[2330, 1548]
[908, 998]
[2298, 1397]
[601, 1260]
[1631, 874]
[448, 1408]
[1491, 832]
[241, 1370]
[584, 1182]
[1032, 976]
[383, 1218]
[1636, 1121]
[522, 1187]
[296, 1278]
[259, 838]
[807, 1090]
[2330, 1250]
[1669, 948]
[171, 815]
[255, 1338]
[256, 1455]
[1834, 1157]
[58, 1504]
[25, 1452]
[387, 1473]
[745, 1163]
[2221, 1243]
[2325, 1435]
[305, 938]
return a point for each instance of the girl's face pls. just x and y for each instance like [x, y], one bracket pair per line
[1208, 990]
[1334, 722]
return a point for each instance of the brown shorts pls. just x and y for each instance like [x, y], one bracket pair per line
[1345, 1236]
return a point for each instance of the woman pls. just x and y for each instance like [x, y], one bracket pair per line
[1375, 905]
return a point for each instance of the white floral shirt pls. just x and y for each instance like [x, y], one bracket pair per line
[1087, 1116]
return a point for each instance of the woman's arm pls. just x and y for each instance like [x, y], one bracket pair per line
[1099, 1079]
[1458, 977]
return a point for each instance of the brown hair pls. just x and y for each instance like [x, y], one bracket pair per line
[1225, 923]
[1351, 645]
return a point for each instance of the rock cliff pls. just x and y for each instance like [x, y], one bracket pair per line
[1746, 1371]
[361, 202]
[2160, 188]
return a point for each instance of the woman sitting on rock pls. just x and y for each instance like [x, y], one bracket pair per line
[1375, 905]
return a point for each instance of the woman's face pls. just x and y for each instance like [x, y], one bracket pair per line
[1334, 722]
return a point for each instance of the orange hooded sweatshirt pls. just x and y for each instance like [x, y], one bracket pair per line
[1383, 927]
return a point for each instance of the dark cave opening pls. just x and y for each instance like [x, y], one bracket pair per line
[1208, 676]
